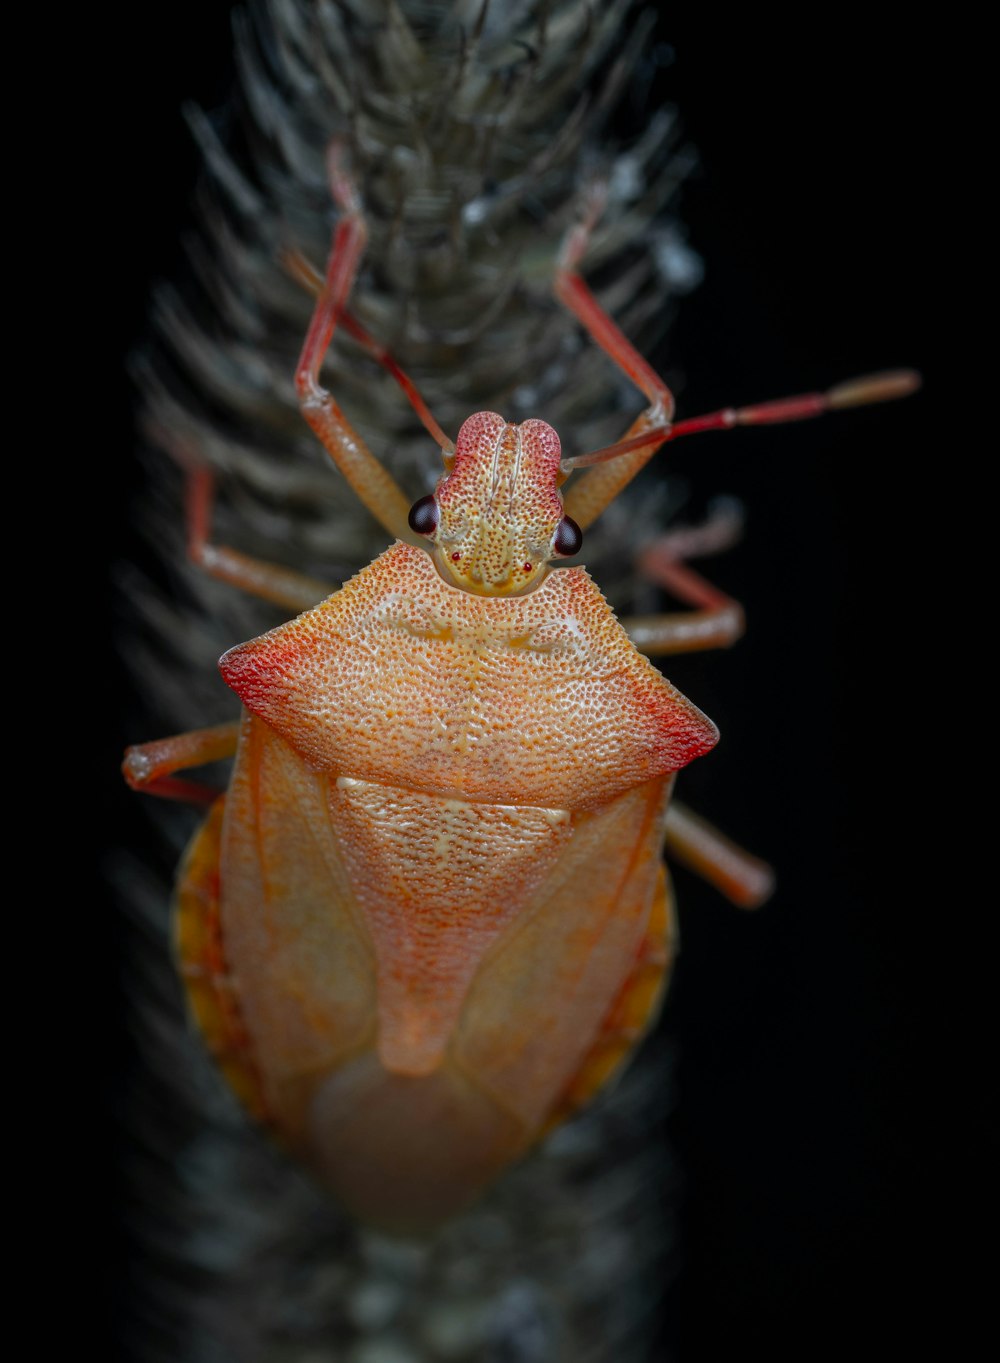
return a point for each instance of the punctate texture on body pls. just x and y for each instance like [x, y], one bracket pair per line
[437, 881]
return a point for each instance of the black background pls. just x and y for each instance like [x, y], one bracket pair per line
[809, 1064]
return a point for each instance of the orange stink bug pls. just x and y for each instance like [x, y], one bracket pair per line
[429, 918]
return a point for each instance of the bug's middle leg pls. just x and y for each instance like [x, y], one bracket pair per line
[270, 581]
[716, 622]
[717, 619]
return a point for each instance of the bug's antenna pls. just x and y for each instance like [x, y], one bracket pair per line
[305, 273]
[885, 387]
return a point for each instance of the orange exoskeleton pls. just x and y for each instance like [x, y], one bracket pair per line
[430, 916]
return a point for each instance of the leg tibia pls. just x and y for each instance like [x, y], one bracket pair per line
[687, 632]
[745, 880]
[717, 620]
[598, 487]
[149, 767]
[372, 482]
[270, 581]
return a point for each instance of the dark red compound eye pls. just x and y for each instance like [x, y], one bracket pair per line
[568, 538]
[424, 515]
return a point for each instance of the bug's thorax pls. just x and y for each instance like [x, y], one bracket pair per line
[498, 507]
[401, 679]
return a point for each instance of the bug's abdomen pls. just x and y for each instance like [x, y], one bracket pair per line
[633, 1012]
[539, 1017]
[440, 860]
[201, 960]
[403, 680]
[421, 977]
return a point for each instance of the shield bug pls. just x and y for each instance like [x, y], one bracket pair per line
[429, 918]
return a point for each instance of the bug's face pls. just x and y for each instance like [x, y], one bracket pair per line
[496, 519]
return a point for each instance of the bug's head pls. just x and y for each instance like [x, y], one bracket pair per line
[496, 518]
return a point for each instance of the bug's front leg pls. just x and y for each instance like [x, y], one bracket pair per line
[369, 478]
[610, 469]
[599, 486]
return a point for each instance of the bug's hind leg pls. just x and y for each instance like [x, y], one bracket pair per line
[717, 620]
[150, 767]
[745, 880]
